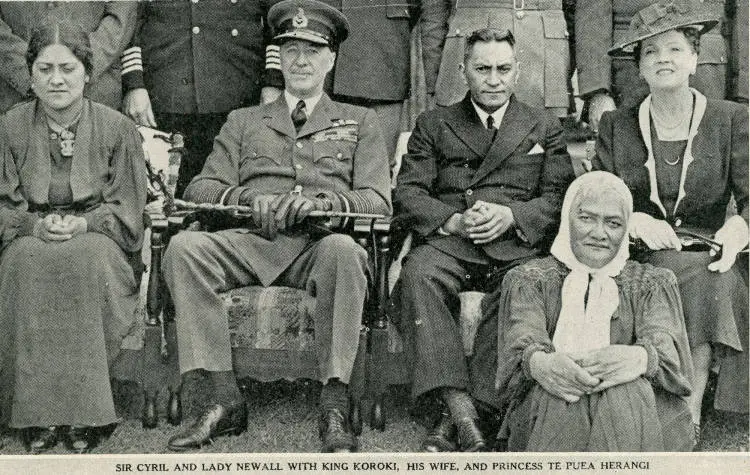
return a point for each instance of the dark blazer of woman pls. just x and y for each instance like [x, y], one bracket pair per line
[719, 167]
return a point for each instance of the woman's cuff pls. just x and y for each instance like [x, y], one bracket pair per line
[652, 362]
[527, 354]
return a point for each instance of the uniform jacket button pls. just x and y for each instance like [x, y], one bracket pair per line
[235, 32]
[469, 192]
[196, 30]
[678, 222]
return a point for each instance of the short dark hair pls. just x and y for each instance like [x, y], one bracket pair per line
[692, 35]
[487, 35]
[60, 33]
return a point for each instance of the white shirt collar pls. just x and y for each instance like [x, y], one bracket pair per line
[497, 115]
[310, 102]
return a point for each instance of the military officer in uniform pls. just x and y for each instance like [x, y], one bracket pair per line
[191, 63]
[110, 26]
[303, 152]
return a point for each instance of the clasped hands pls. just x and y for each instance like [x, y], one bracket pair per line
[274, 213]
[482, 223]
[53, 227]
[657, 234]
[570, 377]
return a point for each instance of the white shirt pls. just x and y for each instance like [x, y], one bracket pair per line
[497, 115]
[310, 102]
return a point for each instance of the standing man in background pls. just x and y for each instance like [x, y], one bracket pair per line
[191, 63]
[110, 26]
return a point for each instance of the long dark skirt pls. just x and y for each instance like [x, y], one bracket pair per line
[64, 309]
[716, 312]
[630, 417]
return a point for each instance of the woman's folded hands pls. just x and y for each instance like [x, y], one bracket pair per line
[567, 378]
[54, 227]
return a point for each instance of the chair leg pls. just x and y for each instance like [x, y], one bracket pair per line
[174, 410]
[149, 416]
[355, 415]
[377, 414]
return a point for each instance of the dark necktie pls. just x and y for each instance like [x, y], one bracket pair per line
[491, 126]
[299, 117]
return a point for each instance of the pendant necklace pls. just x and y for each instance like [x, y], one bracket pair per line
[66, 136]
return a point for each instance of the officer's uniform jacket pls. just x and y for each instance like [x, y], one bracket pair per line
[338, 153]
[110, 26]
[201, 57]
[601, 24]
[374, 61]
[452, 162]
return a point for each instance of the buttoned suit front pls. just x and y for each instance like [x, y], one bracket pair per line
[110, 26]
[452, 162]
[338, 153]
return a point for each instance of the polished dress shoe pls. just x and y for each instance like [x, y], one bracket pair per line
[216, 420]
[442, 437]
[470, 438]
[81, 440]
[335, 432]
[40, 439]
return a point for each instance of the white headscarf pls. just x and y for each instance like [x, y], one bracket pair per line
[581, 327]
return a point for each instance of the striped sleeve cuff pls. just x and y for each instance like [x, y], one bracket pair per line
[273, 59]
[206, 191]
[132, 68]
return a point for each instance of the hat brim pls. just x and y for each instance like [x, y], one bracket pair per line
[301, 35]
[626, 48]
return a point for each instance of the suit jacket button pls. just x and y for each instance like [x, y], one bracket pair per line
[299, 144]
[677, 222]
[469, 192]
[235, 32]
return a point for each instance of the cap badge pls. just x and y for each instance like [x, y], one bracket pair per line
[300, 20]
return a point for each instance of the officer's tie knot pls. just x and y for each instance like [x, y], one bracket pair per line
[299, 117]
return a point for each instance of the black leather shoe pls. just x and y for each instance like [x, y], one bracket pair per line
[81, 440]
[335, 432]
[442, 437]
[470, 438]
[216, 420]
[40, 439]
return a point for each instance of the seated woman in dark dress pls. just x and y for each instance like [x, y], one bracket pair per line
[683, 156]
[72, 193]
[593, 351]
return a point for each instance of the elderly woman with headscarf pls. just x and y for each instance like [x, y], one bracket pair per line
[683, 156]
[593, 349]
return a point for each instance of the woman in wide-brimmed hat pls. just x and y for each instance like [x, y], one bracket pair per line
[683, 157]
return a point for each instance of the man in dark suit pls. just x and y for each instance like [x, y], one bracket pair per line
[110, 27]
[301, 153]
[191, 63]
[481, 186]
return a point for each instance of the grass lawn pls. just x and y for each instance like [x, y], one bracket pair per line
[283, 419]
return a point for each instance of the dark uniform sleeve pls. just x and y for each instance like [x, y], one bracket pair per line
[433, 28]
[593, 37]
[739, 161]
[12, 56]
[603, 159]
[113, 34]
[539, 217]
[120, 215]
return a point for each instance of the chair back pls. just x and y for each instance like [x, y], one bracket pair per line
[163, 152]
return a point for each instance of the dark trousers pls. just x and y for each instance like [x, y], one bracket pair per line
[199, 131]
[429, 315]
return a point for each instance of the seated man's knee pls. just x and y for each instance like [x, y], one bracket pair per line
[420, 265]
[185, 247]
[342, 248]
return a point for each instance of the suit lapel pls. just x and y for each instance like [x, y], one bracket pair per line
[278, 117]
[516, 125]
[466, 125]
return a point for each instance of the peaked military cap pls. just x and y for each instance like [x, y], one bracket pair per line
[308, 20]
